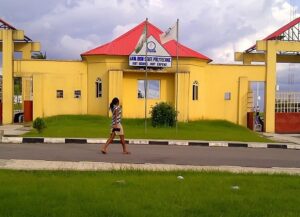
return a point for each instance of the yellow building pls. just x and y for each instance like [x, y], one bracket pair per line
[205, 90]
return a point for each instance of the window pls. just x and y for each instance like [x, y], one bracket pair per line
[77, 94]
[153, 89]
[227, 96]
[195, 90]
[98, 88]
[59, 94]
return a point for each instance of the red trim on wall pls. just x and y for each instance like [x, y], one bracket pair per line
[287, 122]
[250, 120]
[28, 110]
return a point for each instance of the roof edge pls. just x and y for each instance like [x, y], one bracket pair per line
[277, 33]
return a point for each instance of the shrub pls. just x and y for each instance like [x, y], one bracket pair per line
[163, 114]
[39, 124]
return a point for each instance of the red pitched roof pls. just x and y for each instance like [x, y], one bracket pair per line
[278, 32]
[125, 44]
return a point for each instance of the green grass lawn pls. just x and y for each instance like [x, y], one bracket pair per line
[138, 193]
[88, 126]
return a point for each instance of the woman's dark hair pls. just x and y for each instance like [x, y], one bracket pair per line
[115, 101]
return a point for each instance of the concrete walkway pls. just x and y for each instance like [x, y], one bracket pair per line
[104, 166]
[285, 138]
[14, 129]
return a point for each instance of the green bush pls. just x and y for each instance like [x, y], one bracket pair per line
[39, 124]
[163, 114]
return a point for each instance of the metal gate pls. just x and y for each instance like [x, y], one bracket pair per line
[287, 112]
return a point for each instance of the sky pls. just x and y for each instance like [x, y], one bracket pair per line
[215, 28]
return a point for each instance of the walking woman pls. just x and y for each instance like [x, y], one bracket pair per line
[116, 128]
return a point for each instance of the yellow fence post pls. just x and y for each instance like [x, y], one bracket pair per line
[7, 82]
[243, 101]
[270, 87]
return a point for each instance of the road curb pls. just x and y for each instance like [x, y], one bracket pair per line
[230, 144]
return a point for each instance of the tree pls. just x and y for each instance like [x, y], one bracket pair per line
[39, 55]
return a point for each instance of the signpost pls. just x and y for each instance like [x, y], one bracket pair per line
[157, 56]
[152, 61]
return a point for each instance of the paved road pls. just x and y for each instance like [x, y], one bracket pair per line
[181, 155]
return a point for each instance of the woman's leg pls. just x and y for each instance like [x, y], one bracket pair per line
[125, 149]
[110, 140]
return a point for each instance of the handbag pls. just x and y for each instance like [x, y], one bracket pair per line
[116, 130]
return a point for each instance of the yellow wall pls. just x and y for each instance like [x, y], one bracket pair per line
[98, 67]
[115, 85]
[134, 107]
[196, 108]
[219, 79]
[111, 70]
[118, 79]
[49, 76]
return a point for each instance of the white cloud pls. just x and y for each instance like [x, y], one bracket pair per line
[215, 28]
[75, 46]
[121, 29]
[206, 26]
[288, 77]
[262, 22]
[281, 11]
[156, 3]
[224, 54]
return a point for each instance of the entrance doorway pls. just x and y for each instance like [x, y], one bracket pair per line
[23, 104]
[18, 101]
[256, 108]
[28, 98]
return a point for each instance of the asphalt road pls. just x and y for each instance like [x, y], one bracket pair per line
[181, 155]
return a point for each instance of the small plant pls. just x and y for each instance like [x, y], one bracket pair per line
[163, 114]
[39, 124]
[39, 55]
